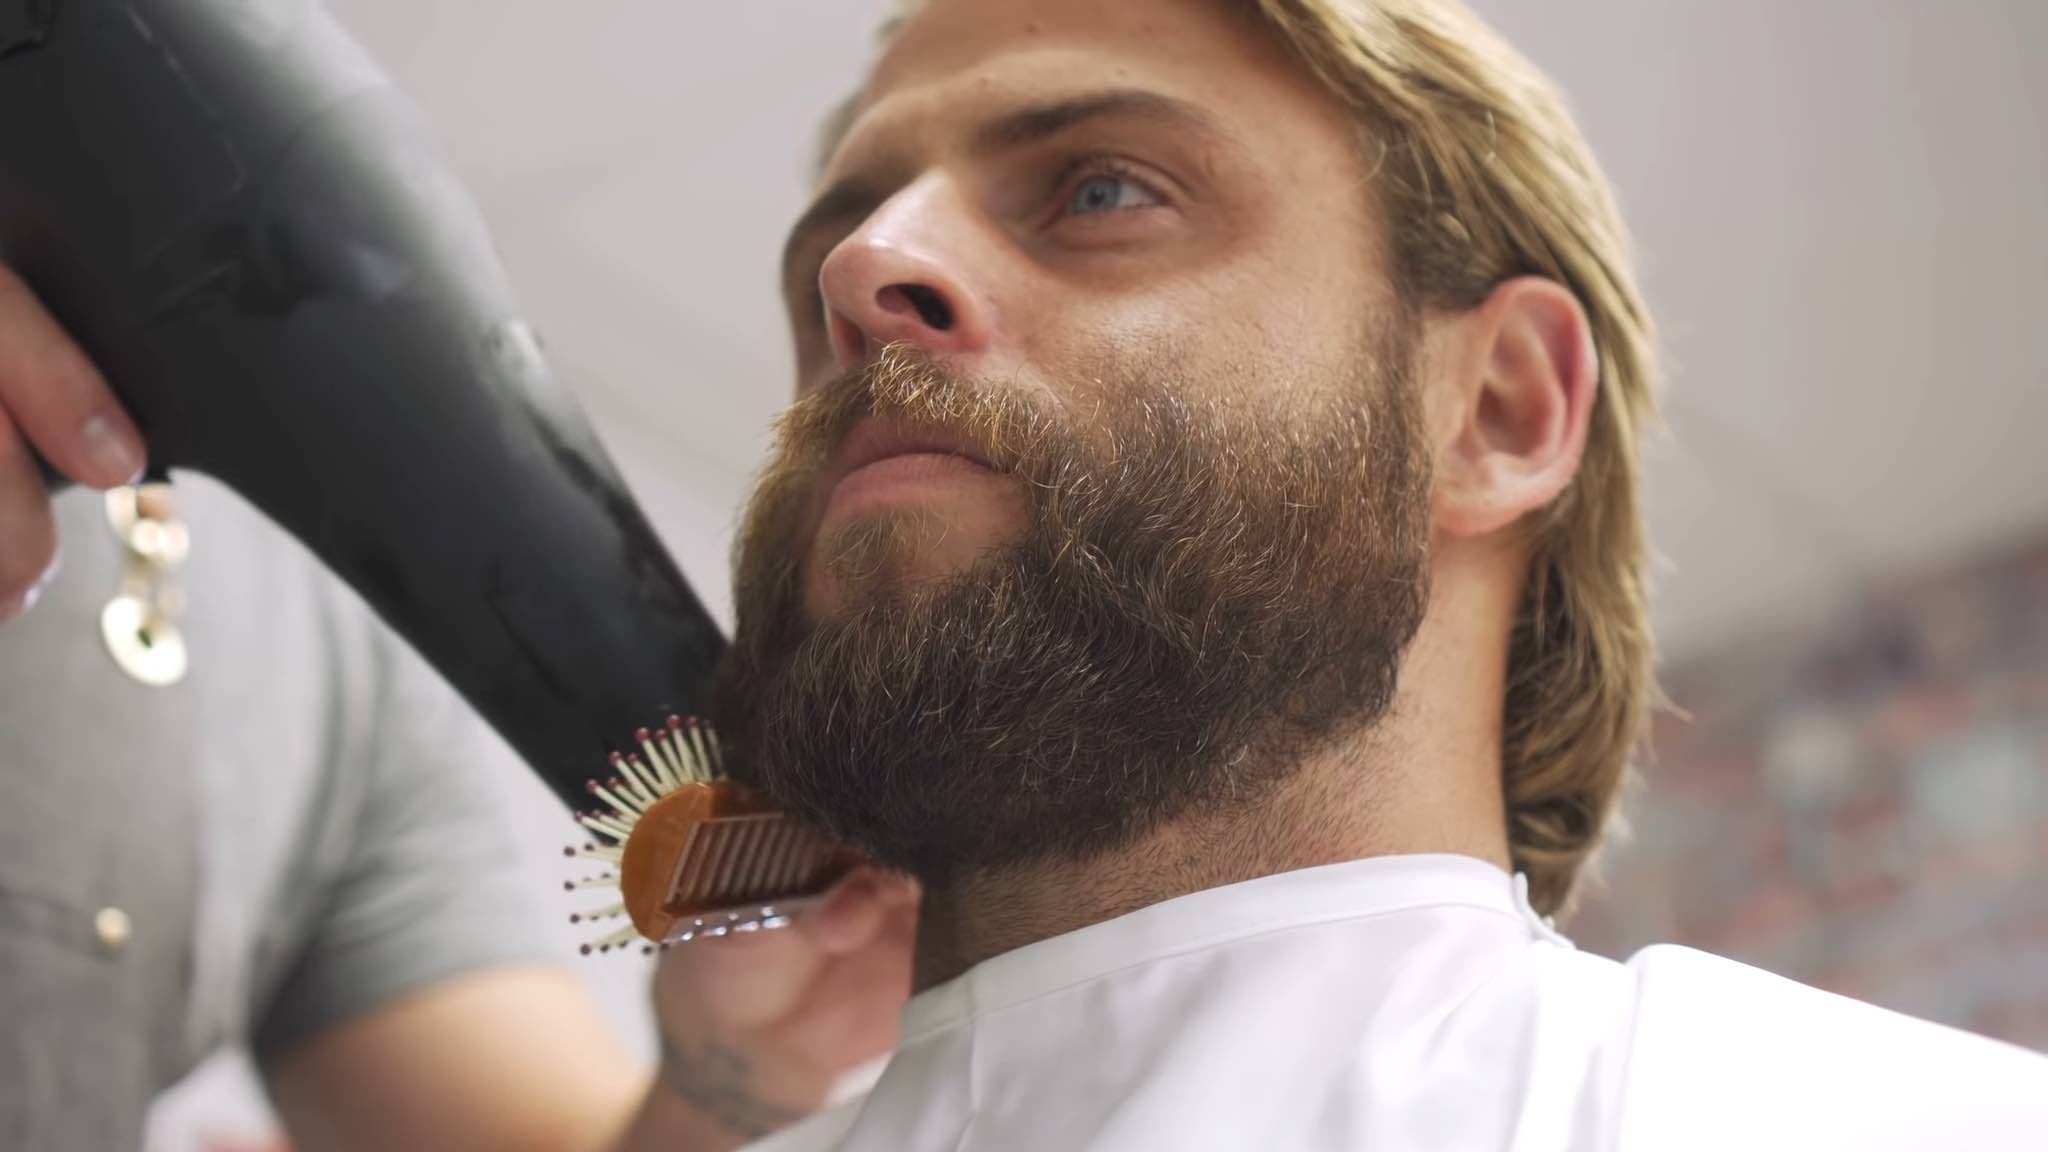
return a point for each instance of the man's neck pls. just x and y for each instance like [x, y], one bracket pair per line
[1331, 811]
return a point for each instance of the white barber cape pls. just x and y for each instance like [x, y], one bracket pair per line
[1410, 1003]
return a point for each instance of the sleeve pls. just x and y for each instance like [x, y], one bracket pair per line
[430, 883]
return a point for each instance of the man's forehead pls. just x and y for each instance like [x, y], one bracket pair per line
[969, 56]
[948, 36]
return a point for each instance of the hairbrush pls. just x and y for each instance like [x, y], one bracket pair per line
[695, 854]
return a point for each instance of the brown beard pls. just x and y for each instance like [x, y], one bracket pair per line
[1205, 593]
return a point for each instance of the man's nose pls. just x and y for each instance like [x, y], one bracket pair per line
[903, 279]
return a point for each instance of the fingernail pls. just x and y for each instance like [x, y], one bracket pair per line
[22, 604]
[44, 581]
[112, 453]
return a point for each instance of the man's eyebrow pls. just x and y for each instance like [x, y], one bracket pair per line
[1031, 125]
[853, 199]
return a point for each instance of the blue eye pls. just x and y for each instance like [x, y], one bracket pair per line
[1109, 192]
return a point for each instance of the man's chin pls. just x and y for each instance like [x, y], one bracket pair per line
[888, 557]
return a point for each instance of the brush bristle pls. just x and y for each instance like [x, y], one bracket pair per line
[679, 753]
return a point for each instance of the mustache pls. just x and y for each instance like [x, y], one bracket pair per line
[904, 385]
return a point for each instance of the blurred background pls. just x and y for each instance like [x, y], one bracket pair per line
[1842, 210]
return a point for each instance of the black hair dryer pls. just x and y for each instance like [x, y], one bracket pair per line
[233, 211]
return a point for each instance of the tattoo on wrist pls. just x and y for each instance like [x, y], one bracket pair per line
[713, 1079]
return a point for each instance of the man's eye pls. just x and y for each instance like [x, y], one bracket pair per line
[1109, 192]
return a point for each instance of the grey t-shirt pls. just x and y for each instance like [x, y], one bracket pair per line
[300, 831]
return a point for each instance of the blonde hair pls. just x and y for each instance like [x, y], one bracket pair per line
[1482, 176]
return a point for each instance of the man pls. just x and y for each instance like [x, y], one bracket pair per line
[1205, 551]
[247, 813]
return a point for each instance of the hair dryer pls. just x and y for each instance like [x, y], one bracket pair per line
[239, 219]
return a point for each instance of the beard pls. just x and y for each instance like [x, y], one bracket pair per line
[1208, 588]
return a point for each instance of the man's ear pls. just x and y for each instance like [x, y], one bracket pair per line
[1511, 416]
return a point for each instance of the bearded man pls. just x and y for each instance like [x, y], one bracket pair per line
[1206, 554]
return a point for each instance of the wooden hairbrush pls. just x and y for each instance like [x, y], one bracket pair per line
[695, 854]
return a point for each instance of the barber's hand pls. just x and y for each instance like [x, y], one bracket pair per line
[53, 399]
[757, 1027]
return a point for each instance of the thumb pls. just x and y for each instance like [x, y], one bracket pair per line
[855, 911]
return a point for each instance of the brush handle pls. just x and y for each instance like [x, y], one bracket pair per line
[239, 219]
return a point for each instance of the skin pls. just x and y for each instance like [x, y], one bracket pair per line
[755, 1030]
[52, 401]
[1229, 214]
[1028, 186]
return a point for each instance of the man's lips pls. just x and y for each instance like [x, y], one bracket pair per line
[879, 463]
[872, 441]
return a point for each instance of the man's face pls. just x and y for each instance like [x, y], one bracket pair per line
[1103, 496]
